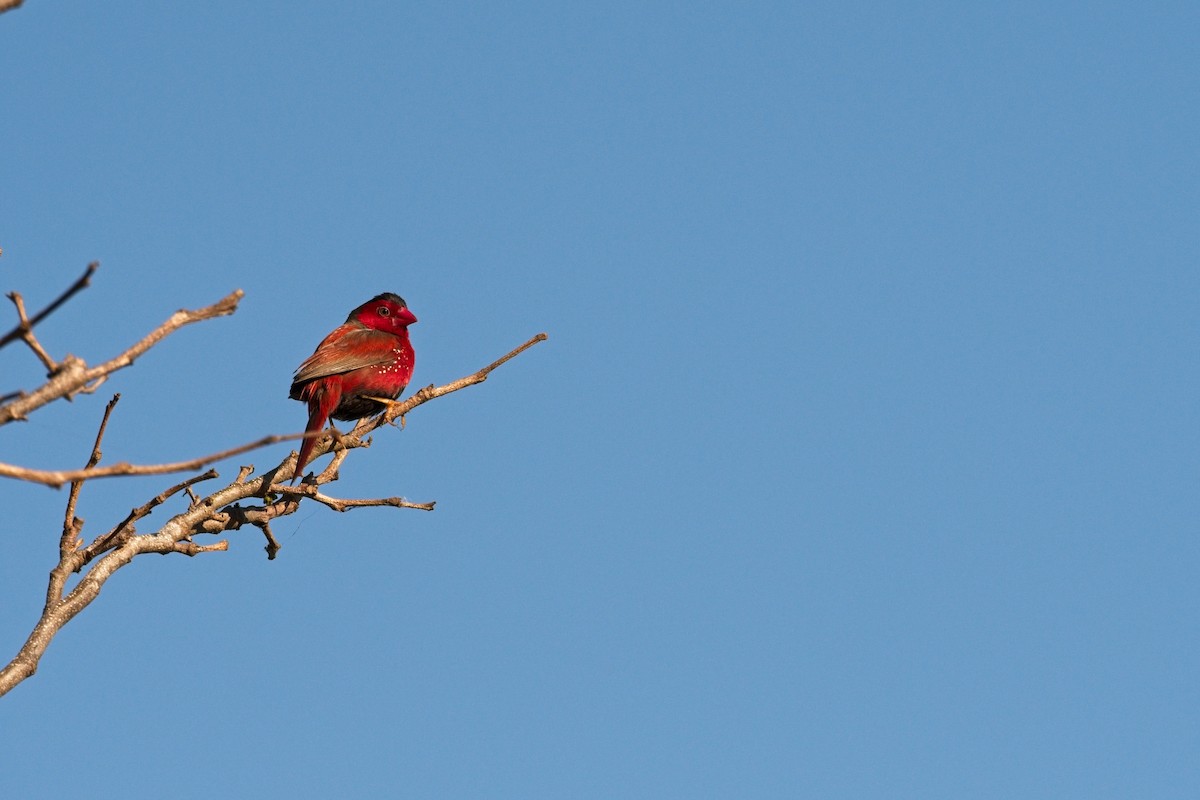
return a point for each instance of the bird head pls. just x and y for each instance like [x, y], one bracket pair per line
[384, 312]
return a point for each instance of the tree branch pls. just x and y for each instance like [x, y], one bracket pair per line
[217, 513]
[79, 285]
[56, 478]
[310, 490]
[125, 527]
[399, 408]
[73, 375]
[73, 525]
[27, 335]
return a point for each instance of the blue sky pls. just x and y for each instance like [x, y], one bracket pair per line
[860, 462]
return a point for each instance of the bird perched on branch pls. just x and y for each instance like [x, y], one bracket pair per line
[357, 369]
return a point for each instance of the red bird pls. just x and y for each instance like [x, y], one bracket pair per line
[356, 367]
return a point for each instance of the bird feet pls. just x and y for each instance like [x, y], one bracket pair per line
[388, 402]
[336, 437]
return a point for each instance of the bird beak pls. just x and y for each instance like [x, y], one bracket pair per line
[405, 316]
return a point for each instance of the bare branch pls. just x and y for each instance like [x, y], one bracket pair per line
[73, 525]
[79, 285]
[125, 527]
[273, 545]
[56, 478]
[9, 5]
[430, 392]
[399, 408]
[217, 513]
[310, 490]
[27, 334]
[190, 549]
[73, 375]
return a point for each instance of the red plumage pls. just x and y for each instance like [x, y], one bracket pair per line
[367, 356]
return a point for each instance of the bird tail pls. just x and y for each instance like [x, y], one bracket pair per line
[320, 403]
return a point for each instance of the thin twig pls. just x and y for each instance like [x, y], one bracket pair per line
[56, 478]
[399, 408]
[273, 547]
[125, 527]
[310, 490]
[27, 335]
[80, 284]
[190, 549]
[430, 392]
[73, 375]
[71, 524]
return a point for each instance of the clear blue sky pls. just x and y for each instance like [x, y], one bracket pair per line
[861, 461]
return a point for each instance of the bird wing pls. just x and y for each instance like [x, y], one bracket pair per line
[348, 351]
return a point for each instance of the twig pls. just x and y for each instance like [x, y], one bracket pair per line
[9, 5]
[398, 409]
[310, 490]
[27, 335]
[273, 545]
[56, 478]
[125, 528]
[74, 376]
[430, 392]
[69, 558]
[80, 284]
[71, 524]
[190, 549]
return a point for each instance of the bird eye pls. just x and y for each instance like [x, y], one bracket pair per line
[384, 311]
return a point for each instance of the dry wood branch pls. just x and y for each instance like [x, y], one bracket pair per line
[9, 5]
[79, 285]
[430, 392]
[216, 513]
[190, 549]
[56, 478]
[310, 490]
[126, 526]
[399, 408]
[27, 334]
[68, 557]
[273, 545]
[72, 525]
[73, 375]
